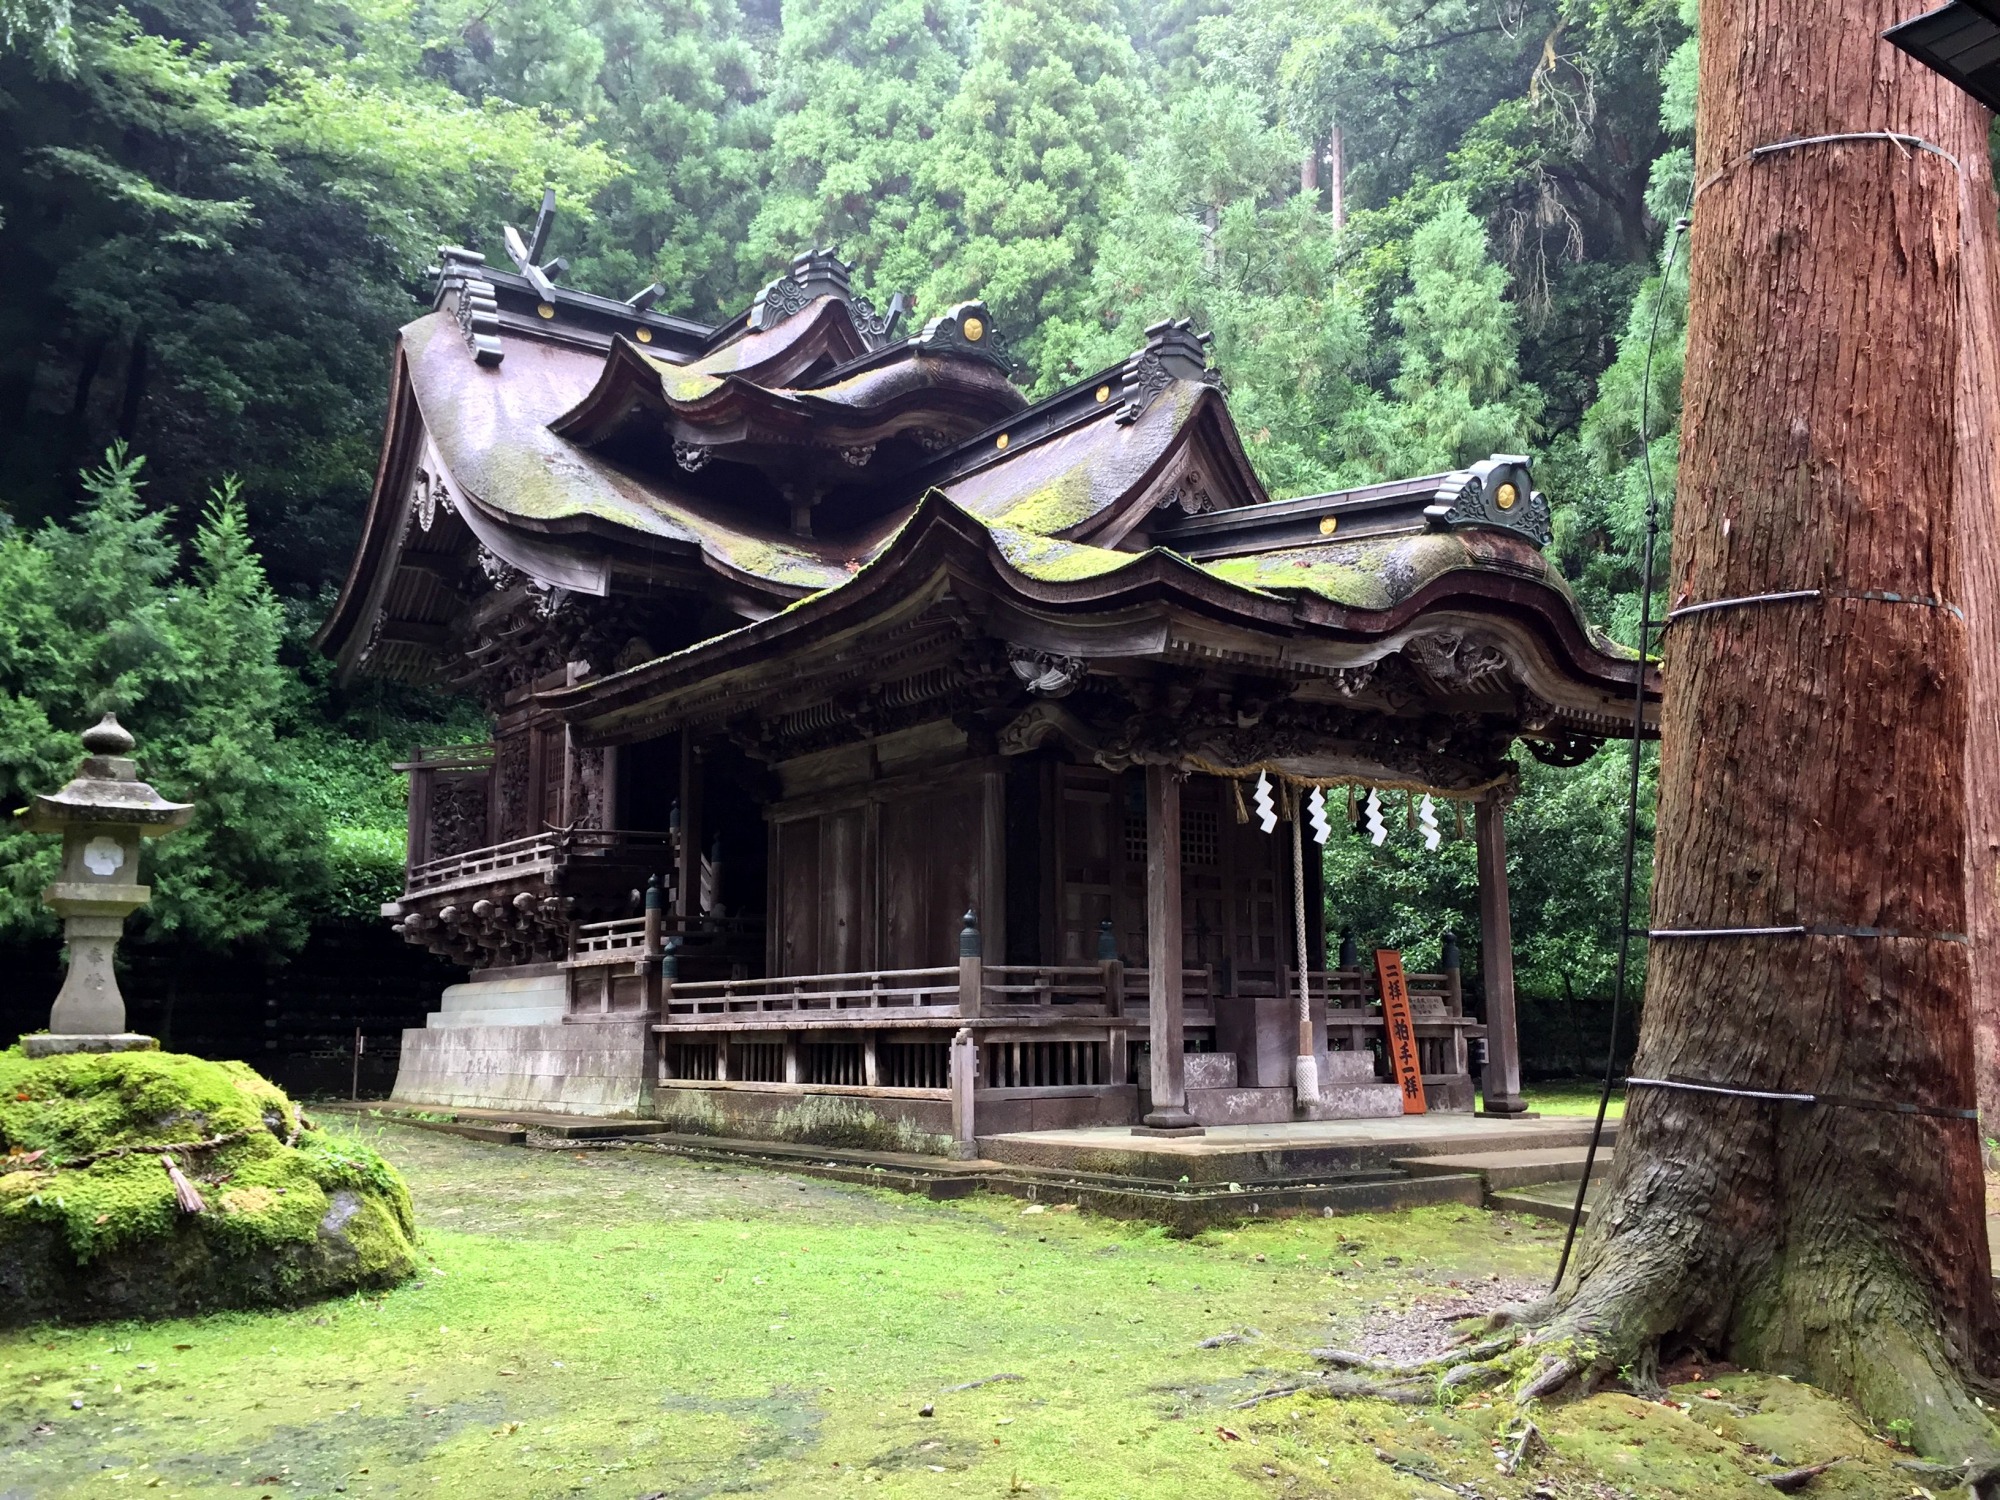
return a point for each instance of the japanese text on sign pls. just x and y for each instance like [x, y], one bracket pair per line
[1400, 1034]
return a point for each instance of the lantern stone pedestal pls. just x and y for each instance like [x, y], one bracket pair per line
[102, 815]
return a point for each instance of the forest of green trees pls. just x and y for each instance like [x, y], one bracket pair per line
[1420, 231]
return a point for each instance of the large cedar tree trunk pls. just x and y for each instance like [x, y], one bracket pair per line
[1814, 761]
[1979, 585]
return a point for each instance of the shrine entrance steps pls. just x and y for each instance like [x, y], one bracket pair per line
[1538, 1180]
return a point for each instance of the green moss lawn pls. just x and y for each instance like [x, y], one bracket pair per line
[626, 1324]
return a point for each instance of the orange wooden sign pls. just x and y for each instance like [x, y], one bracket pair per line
[1402, 1036]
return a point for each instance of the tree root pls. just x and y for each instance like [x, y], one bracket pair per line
[1344, 1360]
[1615, 1328]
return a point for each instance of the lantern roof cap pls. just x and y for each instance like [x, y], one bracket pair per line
[106, 790]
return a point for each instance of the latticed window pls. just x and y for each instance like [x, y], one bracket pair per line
[1135, 838]
[1198, 836]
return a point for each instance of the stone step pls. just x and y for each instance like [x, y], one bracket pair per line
[1549, 1200]
[1503, 1171]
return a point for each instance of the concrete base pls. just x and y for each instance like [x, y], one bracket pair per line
[588, 1070]
[49, 1044]
[536, 1000]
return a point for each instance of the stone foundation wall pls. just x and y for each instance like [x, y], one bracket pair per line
[750, 1113]
[594, 1069]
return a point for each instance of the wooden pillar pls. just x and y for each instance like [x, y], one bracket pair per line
[1169, 1115]
[1501, 1085]
[964, 1083]
[687, 870]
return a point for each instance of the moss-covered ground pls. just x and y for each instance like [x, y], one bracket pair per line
[624, 1323]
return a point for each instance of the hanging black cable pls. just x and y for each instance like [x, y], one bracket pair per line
[1638, 735]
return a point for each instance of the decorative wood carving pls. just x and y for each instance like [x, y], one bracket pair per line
[510, 769]
[588, 795]
[1046, 674]
[1461, 663]
[458, 807]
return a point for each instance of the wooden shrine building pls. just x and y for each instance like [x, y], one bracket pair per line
[938, 715]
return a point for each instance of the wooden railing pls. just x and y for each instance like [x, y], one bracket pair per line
[519, 855]
[1197, 987]
[448, 758]
[1345, 989]
[624, 940]
[1074, 990]
[934, 990]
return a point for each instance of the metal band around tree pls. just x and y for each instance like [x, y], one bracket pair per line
[1757, 153]
[1810, 929]
[1791, 596]
[1773, 1096]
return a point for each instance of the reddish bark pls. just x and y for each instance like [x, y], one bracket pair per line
[1979, 573]
[1813, 762]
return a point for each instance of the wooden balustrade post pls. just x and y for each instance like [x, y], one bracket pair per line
[1112, 968]
[964, 1085]
[971, 977]
[1169, 1114]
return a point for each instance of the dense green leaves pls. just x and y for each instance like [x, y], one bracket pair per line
[861, 90]
[1419, 231]
[102, 618]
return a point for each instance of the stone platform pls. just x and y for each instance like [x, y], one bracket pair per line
[1290, 1151]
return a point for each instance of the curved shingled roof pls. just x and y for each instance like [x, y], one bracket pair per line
[583, 441]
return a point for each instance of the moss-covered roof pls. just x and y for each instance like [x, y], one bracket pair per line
[1379, 573]
[491, 429]
[1061, 483]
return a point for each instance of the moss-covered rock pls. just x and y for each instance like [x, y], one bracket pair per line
[91, 1224]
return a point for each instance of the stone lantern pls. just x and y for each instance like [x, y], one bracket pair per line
[101, 816]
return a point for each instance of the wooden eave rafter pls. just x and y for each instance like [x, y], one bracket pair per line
[383, 527]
